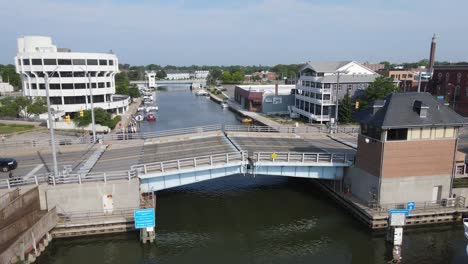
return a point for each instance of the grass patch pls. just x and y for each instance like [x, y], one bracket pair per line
[14, 128]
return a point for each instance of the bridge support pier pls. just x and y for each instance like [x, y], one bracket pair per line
[147, 234]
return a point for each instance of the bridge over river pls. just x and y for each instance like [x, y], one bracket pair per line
[171, 158]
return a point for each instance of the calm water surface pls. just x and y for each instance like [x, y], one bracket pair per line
[242, 219]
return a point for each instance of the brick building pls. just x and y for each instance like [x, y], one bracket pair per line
[451, 83]
[406, 150]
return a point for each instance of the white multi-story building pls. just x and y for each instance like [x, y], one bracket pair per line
[315, 98]
[5, 87]
[200, 74]
[69, 87]
[177, 75]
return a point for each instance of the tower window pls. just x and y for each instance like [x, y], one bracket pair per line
[397, 134]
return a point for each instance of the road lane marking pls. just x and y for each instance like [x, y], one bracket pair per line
[33, 171]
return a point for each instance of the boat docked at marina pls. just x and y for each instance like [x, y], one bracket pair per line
[201, 93]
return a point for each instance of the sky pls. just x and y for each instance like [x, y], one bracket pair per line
[242, 32]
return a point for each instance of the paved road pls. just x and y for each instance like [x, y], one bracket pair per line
[185, 149]
[119, 156]
[253, 144]
[39, 160]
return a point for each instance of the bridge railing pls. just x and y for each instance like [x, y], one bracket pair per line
[297, 157]
[267, 129]
[65, 218]
[66, 179]
[163, 133]
[190, 163]
[45, 142]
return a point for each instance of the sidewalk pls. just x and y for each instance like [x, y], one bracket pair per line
[257, 117]
[127, 116]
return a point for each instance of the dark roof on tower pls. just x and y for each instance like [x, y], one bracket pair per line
[400, 110]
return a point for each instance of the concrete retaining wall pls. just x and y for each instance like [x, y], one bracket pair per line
[362, 183]
[413, 189]
[90, 196]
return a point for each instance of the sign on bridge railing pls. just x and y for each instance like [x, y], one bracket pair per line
[340, 158]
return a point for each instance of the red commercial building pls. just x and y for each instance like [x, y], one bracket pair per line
[451, 83]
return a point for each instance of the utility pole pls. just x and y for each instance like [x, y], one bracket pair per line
[419, 82]
[87, 74]
[92, 106]
[336, 98]
[51, 124]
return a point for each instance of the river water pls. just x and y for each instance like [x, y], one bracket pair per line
[242, 219]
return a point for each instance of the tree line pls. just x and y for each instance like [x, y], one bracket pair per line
[21, 106]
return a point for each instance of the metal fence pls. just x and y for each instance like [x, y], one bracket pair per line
[303, 157]
[163, 133]
[172, 132]
[67, 178]
[190, 163]
[458, 202]
[66, 218]
[45, 142]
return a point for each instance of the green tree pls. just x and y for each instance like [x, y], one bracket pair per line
[387, 65]
[237, 77]
[226, 77]
[345, 110]
[22, 103]
[133, 91]
[100, 116]
[214, 76]
[8, 73]
[8, 107]
[378, 90]
[38, 106]
[161, 74]
[121, 83]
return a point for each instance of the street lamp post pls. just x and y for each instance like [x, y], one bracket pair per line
[51, 125]
[87, 74]
[92, 107]
[336, 97]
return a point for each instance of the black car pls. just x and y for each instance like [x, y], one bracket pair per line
[8, 164]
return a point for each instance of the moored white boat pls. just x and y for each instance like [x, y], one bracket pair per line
[139, 118]
[224, 105]
[151, 108]
[201, 92]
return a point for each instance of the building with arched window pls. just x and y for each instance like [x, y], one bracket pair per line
[70, 87]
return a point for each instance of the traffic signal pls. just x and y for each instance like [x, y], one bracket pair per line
[81, 113]
[67, 119]
[357, 105]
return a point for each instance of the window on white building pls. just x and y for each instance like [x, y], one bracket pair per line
[79, 62]
[92, 62]
[64, 62]
[36, 62]
[50, 62]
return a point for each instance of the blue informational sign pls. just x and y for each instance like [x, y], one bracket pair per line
[410, 206]
[144, 218]
[399, 211]
[440, 97]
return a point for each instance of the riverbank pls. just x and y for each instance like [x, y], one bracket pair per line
[126, 117]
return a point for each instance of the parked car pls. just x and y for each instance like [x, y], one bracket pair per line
[8, 164]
